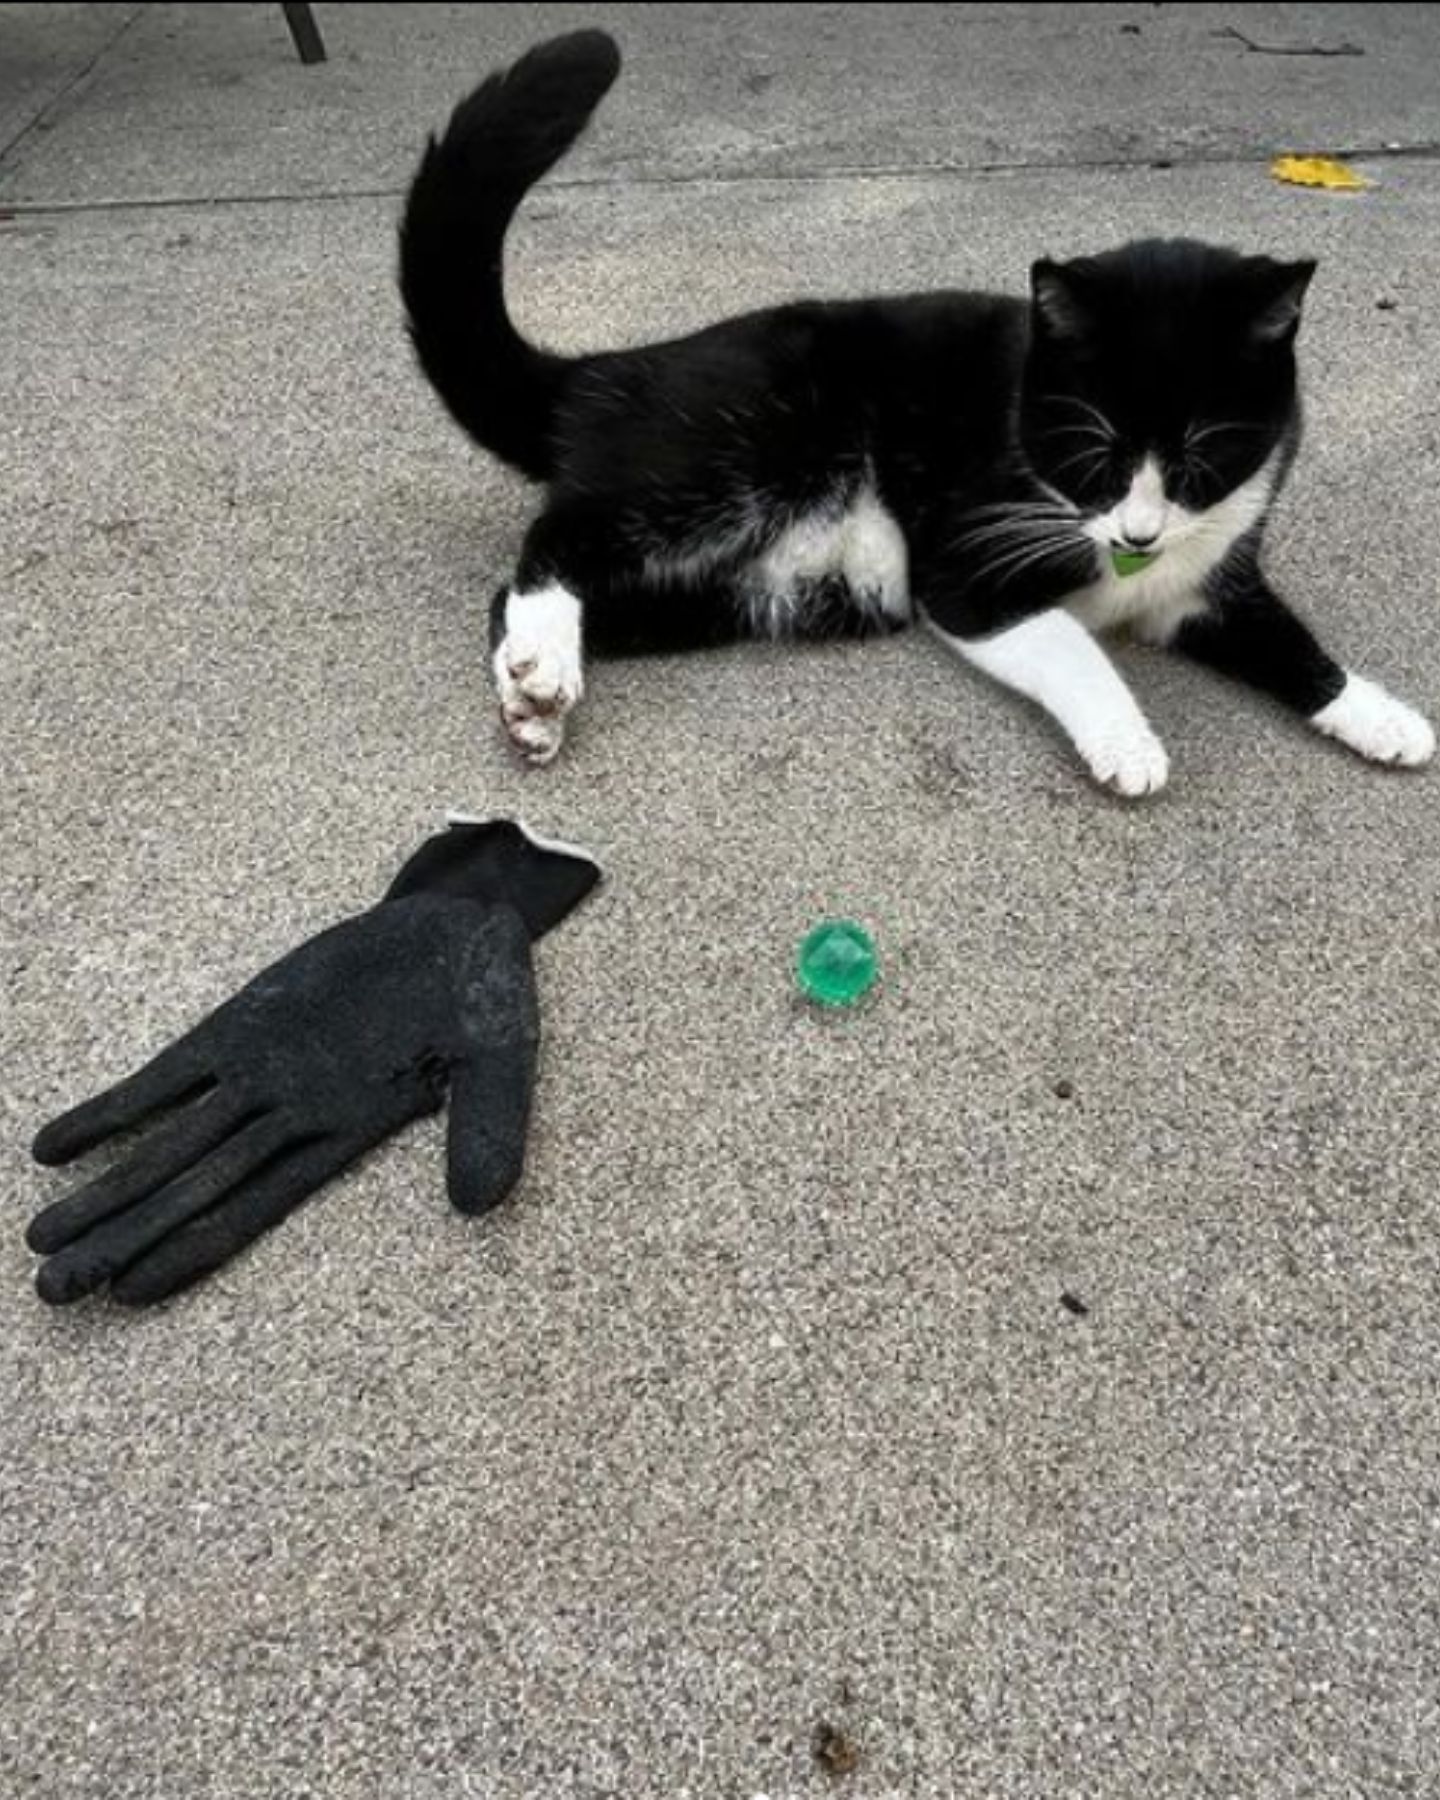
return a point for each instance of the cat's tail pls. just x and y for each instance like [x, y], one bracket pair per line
[498, 144]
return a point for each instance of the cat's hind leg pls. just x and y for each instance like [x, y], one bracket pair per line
[583, 589]
[538, 658]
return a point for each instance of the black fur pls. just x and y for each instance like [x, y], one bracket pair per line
[673, 467]
[512, 129]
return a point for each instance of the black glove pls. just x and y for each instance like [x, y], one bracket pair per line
[318, 1059]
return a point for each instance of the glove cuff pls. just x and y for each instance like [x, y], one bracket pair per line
[501, 861]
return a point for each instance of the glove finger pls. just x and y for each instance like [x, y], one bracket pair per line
[489, 1113]
[257, 1206]
[178, 1073]
[87, 1262]
[172, 1151]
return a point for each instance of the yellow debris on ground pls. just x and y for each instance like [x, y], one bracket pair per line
[1317, 171]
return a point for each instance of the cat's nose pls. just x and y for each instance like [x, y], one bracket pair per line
[1140, 516]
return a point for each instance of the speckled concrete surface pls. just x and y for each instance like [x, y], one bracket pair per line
[207, 101]
[760, 1407]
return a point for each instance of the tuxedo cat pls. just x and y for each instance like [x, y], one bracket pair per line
[1016, 477]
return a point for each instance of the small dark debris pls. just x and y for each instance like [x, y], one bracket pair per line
[1162, 162]
[1129, 31]
[836, 1752]
[941, 770]
[757, 82]
[1075, 1306]
[1387, 303]
[773, 760]
[1064, 1090]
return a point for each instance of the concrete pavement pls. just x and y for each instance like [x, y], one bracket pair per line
[760, 1408]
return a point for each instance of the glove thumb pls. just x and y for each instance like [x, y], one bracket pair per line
[489, 1116]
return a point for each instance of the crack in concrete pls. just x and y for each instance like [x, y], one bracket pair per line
[50, 108]
[1154, 163]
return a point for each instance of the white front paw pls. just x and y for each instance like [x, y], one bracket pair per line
[1128, 757]
[1376, 725]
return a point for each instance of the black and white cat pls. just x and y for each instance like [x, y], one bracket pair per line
[1016, 477]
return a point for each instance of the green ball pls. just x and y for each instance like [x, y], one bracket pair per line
[837, 963]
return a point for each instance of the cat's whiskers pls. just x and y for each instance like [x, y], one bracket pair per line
[1000, 526]
[1010, 553]
[1049, 507]
[1204, 465]
[1014, 560]
[1100, 453]
[1074, 400]
[1002, 573]
[1093, 431]
[1197, 434]
[1027, 529]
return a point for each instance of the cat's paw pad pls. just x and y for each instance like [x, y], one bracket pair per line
[542, 678]
[1376, 725]
[533, 705]
[536, 692]
[538, 671]
[1127, 758]
[536, 737]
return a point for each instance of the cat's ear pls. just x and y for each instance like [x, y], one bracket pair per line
[1279, 295]
[1061, 308]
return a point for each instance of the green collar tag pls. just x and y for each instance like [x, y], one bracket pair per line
[1131, 562]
